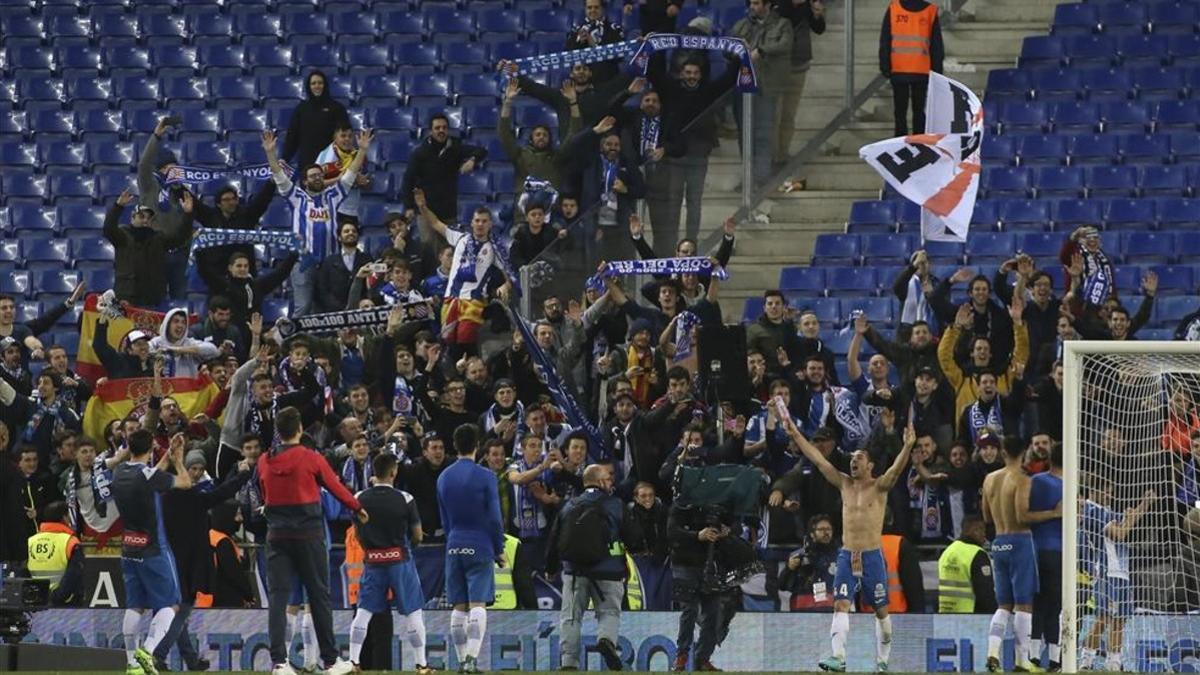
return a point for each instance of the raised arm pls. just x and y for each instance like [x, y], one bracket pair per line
[810, 451]
[889, 478]
[1119, 530]
[365, 137]
[428, 214]
[852, 364]
[269, 144]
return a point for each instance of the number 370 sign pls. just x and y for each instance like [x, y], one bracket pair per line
[938, 169]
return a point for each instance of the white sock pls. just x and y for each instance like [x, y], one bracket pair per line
[414, 633]
[1113, 662]
[996, 630]
[1035, 648]
[358, 633]
[1087, 658]
[308, 636]
[129, 629]
[458, 633]
[883, 638]
[159, 625]
[476, 627]
[289, 634]
[1055, 653]
[1022, 627]
[839, 631]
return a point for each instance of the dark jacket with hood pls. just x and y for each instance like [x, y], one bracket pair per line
[212, 263]
[937, 50]
[140, 257]
[312, 124]
[184, 516]
[246, 295]
[434, 168]
[118, 364]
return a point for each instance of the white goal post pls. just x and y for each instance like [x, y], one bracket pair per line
[1107, 384]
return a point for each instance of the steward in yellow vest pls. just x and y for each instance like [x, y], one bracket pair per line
[965, 583]
[55, 554]
[506, 594]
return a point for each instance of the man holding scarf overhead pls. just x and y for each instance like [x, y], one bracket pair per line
[313, 208]
[478, 261]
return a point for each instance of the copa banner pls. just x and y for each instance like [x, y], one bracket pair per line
[116, 399]
[236, 639]
[87, 362]
[940, 168]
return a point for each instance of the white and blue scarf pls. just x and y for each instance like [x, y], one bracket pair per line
[651, 126]
[683, 335]
[213, 237]
[528, 516]
[402, 397]
[657, 266]
[977, 419]
[492, 416]
[537, 191]
[101, 484]
[192, 176]
[747, 80]
[40, 412]
[350, 475]
[915, 308]
[565, 60]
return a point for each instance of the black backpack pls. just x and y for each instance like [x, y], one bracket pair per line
[583, 535]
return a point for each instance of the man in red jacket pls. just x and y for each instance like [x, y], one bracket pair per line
[292, 478]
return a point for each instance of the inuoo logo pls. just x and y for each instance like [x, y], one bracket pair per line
[460, 551]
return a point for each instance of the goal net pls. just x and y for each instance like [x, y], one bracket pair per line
[1131, 505]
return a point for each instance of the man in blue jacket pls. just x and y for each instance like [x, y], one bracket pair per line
[597, 577]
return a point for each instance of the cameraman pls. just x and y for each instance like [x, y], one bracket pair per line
[692, 532]
[594, 568]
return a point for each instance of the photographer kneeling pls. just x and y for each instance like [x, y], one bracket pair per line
[587, 538]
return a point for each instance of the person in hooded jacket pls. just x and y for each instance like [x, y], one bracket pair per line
[246, 292]
[182, 355]
[141, 249]
[313, 122]
[230, 213]
[435, 166]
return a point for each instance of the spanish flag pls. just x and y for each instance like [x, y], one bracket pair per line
[87, 363]
[116, 399]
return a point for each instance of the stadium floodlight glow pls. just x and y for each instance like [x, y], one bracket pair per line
[1122, 432]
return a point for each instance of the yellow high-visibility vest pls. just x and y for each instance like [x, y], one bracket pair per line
[506, 594]
[955, 593]
[50, 552]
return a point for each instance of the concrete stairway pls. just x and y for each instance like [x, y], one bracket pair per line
[839, 177]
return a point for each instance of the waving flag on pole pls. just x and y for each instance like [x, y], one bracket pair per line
[938, 169]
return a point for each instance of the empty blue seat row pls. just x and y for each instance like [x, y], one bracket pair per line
[1089, 181]
[853, 249]
[1100, 84]
[1097, 50]
[1163, 17]
[1087, 149]
[1082, 116]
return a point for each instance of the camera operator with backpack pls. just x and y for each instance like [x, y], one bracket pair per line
[587, 538]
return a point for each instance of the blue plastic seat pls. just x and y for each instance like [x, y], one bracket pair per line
[32, 58]
[465, 57]
[1006, 182]
[353, 23]
[944, 252]
[1158, 84]
[366, 56]
[1148, 247]
[1027, 117]
[481, 86]
[73, 218]
[126, 58]
[452, 22]
[1056, 84]
[542, 21]
[22, 186]
[54, 282]
[1103, 84]
[93, 249]
[1175, 279]
[1129, 214]
[986, 214]
[115, 25]
[475, 183]
[42, 254]
[395, 148]
[174, 58]
[836, 249]
[1093, 150]
[1093, 50]
[1176, 213]
[305, 23]
[232, 87]
[136, 87]
[1144, 148]
[62, 29]
[1009, 81]
[21, 27]
[17, 153]
[500, 21]
[1172, 17]
[1000, 150]
[72, 186]
[1040, 244]
[244, 119]
[391, 118]
[175, 89]
[204, 153]
[880, 311]
[879, 249]
[280, 88]
[31, 220]
[1043, 149]
[1058, 181]
[403, 22]
[416, 54]
[989, 247]
[53, 122]
[15, 283]
[1143, 50]
[1041, 51]
[1178, 115]
[87, 88]
[1124, 116]
[110, 183]
[1024, 214]
[511, 51]
[1166, 181]
[261, 59]
[81, 57]
[1075, 18]
[1111, 181]
[37, 85]
[388, 87]
[1075, 116]
[1070, 213]
[221, 56]
[852, 281]
[317, 56]
[1170, 310]
[874, 216]
[802, 281]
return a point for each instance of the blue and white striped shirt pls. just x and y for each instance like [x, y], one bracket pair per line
[314, 216]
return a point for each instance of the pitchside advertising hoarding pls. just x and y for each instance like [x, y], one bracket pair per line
[236, 639]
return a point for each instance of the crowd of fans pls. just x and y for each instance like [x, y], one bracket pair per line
[965, 374]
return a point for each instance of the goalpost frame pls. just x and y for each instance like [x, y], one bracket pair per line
[1073, 353]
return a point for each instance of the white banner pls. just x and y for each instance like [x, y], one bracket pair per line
[938, 169]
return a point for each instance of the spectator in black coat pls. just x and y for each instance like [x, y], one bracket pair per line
[219, 329]
[648, 511]
[24, 491]
[230, 214]
[420, 479]
[313, 122]
[134, 358]
[435, 166]
[141, 250]
[655, 16]
[533, 236]
[595, 30]
[608, 185]
[37, 419]
[75, 390]
[336, 273]
[245, 292]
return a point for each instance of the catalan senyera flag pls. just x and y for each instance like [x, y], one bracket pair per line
[87, 362]
[114, 399]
